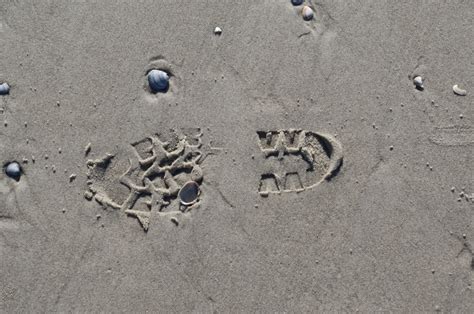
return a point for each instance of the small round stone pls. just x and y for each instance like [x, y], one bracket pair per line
[158, 80]
[418, 81]
[217, 30]
[307, 13]
[13, 170]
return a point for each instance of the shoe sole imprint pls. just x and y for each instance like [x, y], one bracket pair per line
[297, 160]
[163, 163]
[455, 135]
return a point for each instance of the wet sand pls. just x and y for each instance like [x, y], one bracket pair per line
[367, 181]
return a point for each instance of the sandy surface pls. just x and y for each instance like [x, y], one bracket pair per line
[386, 232]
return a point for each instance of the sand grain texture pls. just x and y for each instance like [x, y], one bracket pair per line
[366, 239]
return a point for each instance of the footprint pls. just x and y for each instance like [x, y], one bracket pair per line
[455, 135]
[146, 183]
[297, 160]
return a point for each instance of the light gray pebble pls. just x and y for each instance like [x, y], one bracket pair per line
[418, 81]
[13, 170]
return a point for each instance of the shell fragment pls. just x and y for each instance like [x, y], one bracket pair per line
[459, 91]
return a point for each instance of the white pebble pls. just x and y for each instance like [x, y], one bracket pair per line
[418, 81]
[307, 13]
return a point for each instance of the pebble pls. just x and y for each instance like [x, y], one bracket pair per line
[217, 31]
[13, 170]
[418, 81]
[72, 177]
[307, 13]
[391, 147]
[453, 189]
[64, 210]
[297, 2]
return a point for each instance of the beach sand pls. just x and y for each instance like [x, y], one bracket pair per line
[327, 181]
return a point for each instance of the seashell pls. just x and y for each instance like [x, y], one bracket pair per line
[297, 2]
[189, 192]
[4, 89]
[158, 80]
[217, 31]
[13, 170]
[418, 81]
[307, 13]
[459, 91]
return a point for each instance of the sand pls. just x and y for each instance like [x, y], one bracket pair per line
[382, 223]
